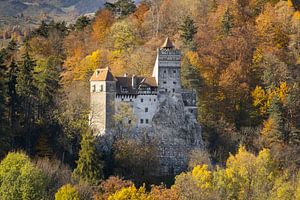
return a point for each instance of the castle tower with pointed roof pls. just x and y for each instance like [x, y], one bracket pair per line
[143, 94]
[103, 95]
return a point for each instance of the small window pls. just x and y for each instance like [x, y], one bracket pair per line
[101, 88]
[174, 71]
[173, 90]
[165, 82]
[122, 99]
[174, 83]
[191, 111]
[154, 100]
[147, 121]
[94, 88]
[142, 121]
[165, 71]
[146, 109]
[166, 90]
[129, 121]
[130, 99]
[142, 100]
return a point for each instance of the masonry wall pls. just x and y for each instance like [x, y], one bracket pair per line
[144, 107]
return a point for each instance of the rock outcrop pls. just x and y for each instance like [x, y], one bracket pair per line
[177, 133]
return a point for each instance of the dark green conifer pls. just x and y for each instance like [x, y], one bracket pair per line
[89, 166]
[188, 30]
[227, 22]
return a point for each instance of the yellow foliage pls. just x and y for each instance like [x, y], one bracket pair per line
[67, 192]
[203, 177]
[262, 98]
[257, 56]
[296, 15]
[130, 193]
[98, 59]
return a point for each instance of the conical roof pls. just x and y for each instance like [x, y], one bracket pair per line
[168, 44]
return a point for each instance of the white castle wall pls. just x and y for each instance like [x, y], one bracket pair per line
[144, 107]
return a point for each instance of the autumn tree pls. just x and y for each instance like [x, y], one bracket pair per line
[67, 192]
[20, 179]
[130, 193]
[103, 21]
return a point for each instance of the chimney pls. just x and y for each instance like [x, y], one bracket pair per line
[133, 81]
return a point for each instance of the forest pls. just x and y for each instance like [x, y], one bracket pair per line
[241, 56]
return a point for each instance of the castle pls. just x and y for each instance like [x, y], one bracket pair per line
[144, 94]
[158, 104]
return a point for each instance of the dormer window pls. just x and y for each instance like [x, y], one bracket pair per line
[97, 72]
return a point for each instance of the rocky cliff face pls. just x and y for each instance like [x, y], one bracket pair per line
[177, 133]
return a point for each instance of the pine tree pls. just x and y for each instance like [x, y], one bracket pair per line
[190, 76]
[82, 22]
[46, 81]
[26, 91]
[121, 8]
[188, 30]
[89, 166]
[12, 94]
[273, 130]
[227, 22]
[3, 88]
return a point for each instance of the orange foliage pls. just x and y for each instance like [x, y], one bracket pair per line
[103, 22]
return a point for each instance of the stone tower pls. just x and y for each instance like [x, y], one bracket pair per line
[167, 68]
[103, 94]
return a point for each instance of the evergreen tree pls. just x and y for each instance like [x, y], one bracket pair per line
[26, 92]
[82, 22]
[46, 81]
[89, 166]
[12, 94]
[276, 114]
[121, 8]
[227, 22]
[190, 75]
[3, 88]
[188, 30]
[274, 130]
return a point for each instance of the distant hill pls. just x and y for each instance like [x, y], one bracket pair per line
[48, 7]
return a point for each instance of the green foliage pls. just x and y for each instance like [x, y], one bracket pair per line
[82, 22]
[89, 166]
[67, 192]
[24, 87]
[20, 179]
[188, 30]
[46, 81]
[121, 8]
[227, 22]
